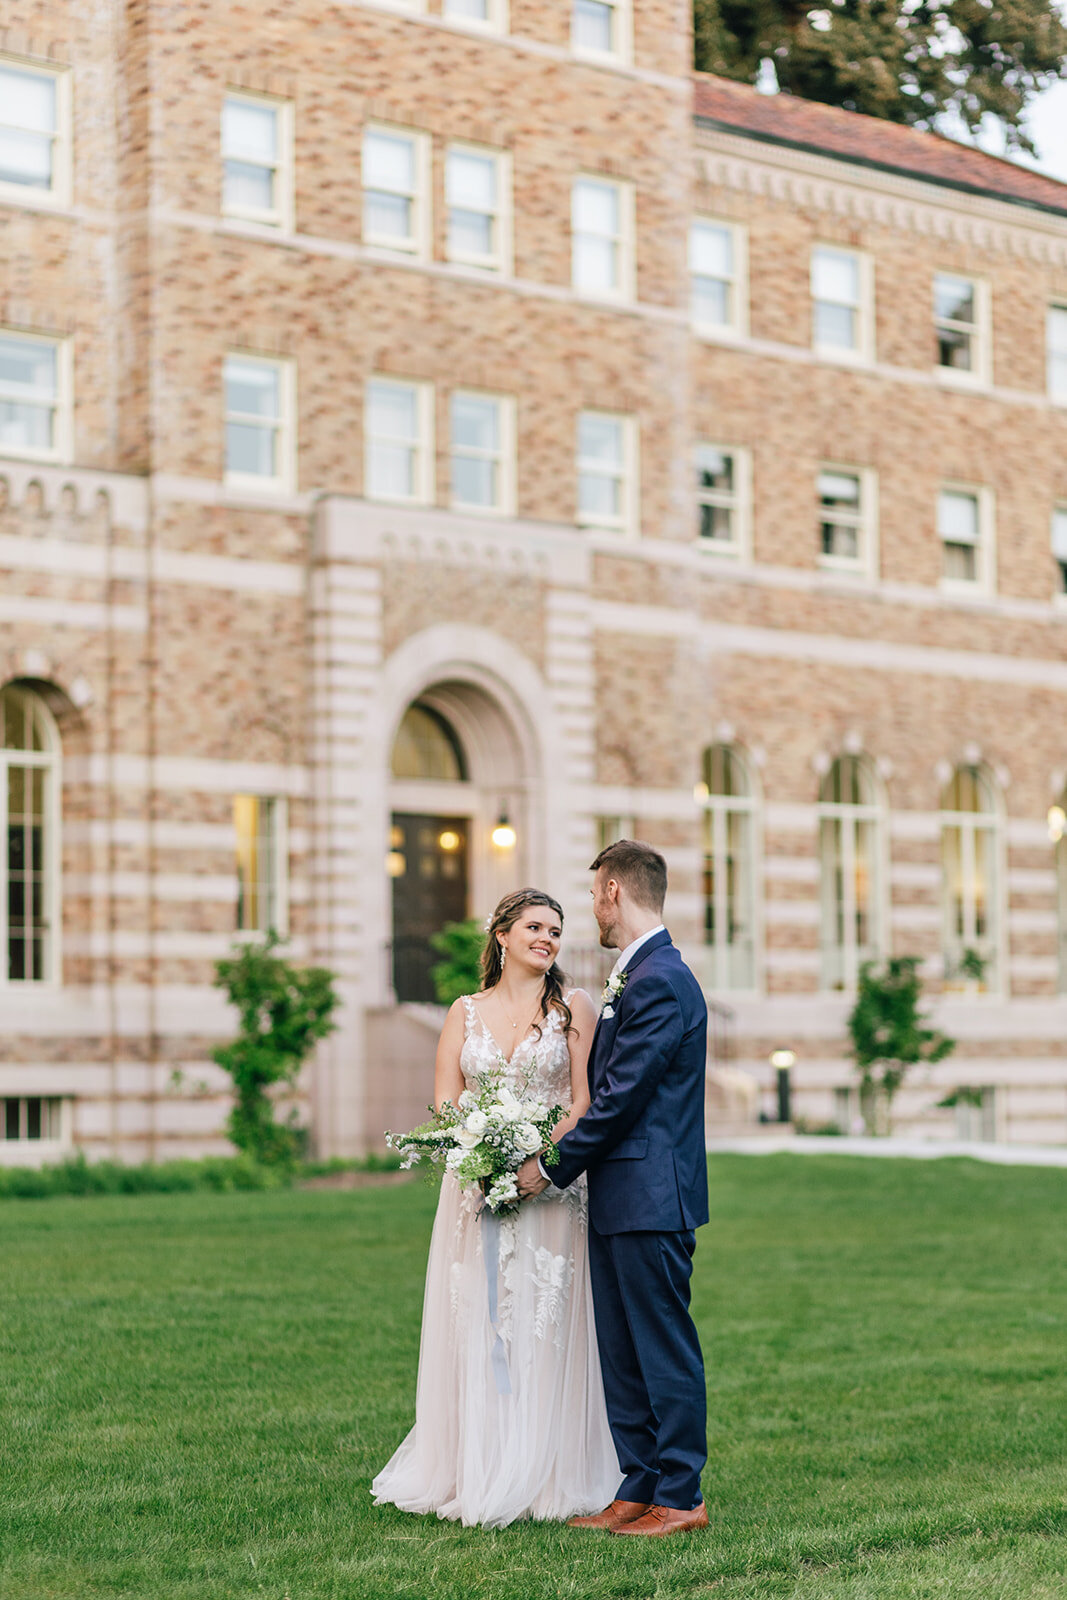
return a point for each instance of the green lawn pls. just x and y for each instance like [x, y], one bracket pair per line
[195, 1391]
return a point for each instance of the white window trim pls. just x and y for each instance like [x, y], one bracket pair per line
[969, 822]
[740, 551]
[59, 196]
[626, 291]
[1057, 398]
[864, 353]
[284, 482]
[981, 374]
[501, 263]
[716, 956]
[874, 812]
[62, 450]
[622, 32]
[278, 867]
[420, 246]
[506, 506]
[282, 217]
[1059, 596]
[52, 760]
[867, 565]
[737, 327]
[425, 465]
[408, 8]
[628, 525]
[497, 20]
[985, 584]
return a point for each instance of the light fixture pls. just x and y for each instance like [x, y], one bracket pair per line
[700, 793]
[1057, 823]
[504, 836]
[449, 840]
[782, 1060]
[396, 864]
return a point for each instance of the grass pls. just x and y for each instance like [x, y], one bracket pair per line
[196, 1389]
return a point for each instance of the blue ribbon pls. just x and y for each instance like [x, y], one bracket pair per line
[491, 1252]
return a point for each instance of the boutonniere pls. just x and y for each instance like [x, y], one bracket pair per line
[612, 990]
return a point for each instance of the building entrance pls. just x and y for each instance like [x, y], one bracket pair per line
[428, 865]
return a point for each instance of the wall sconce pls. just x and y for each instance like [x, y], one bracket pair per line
[504, 836]
[1057, 823]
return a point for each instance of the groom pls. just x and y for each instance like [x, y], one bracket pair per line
[642, 1143]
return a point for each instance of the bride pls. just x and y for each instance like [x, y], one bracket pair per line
[510, 1419]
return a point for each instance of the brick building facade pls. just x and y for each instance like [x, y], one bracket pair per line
[436, 439]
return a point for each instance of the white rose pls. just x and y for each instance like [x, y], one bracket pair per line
[466, 1100]
[453, 1159]
[534, 1111]
[514, 1112]
[466, 1138]
[505, 1096]
[476, 1122]
[527, 1138]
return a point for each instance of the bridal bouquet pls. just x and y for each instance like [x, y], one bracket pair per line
[484, 1139]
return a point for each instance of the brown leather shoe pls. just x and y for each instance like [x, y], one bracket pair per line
[613, 1517]
[661, 1520]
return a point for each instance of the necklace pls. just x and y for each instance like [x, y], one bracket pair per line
[514, 1025]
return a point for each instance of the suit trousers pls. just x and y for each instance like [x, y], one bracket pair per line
[652, 1364]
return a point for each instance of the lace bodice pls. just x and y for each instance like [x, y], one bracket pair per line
[540, 1066]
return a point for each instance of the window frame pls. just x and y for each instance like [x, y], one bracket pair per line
[737, 326]
[284, 481]
[281, 218]
[863, 352]
[1058, 397]
[621, 52]
[51, 760]
[425, 464]
[739, 551]
[845, 817]
[496, 21]
[980, 374]
[1059, 509]
[715, 811]
[866, 565]
[277, 883]
[984, 583]
[969, 823]
[62, 448]
[505, 506]
[62, 1111]
[420, 240]
[626, 290]
[500, 262]
[627, 525]
[60, 194]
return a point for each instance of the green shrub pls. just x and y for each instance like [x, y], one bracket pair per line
[220, 1174]
[461, 944]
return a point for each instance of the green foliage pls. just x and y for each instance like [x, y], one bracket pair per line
[907, 61]
[214, 1174]
[889, 1034]
[283, 1010]
[461, 944]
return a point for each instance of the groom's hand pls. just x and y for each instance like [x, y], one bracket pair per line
[529, 1179]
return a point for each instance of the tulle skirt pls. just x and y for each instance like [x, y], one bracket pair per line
[510, 1419]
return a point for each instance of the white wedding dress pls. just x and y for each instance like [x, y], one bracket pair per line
[509, 1409]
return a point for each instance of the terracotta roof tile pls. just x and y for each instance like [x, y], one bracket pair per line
[785, 119]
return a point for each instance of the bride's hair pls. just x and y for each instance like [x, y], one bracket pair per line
[506, 914]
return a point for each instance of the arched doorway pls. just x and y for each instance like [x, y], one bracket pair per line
[457, 822]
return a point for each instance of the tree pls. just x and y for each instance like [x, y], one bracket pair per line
[889, 1034]
[461, 944]
[904, 60]
[283, 1011]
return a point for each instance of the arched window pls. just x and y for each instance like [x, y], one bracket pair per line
[729, 891]
[29, 892]
[426, 747]
[969, 842]
[850, 844]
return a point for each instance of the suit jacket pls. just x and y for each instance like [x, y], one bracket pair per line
[642, 1139]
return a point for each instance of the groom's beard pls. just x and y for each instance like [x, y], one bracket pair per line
[607, 938]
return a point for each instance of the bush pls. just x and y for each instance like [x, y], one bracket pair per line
[461, 944]
[219, 1174]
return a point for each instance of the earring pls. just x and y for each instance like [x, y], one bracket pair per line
[503, 957]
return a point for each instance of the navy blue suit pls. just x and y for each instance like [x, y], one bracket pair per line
[642, 1144]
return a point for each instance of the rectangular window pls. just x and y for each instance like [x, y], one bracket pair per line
[476, 183]
[1057, 352]
[846, 519]
[488, 15]
[601, 238]
[840, 302]
[256, 160]
[482, 453]
[34, 132]
[716, 277]
[395, 190]
[399, 441]
[1059, 546]
[607, 496]
[959, 345]
[35, 402]
[262, 861]
[964, 525]
[601, 28]
[260, 431]
[32, 1118]
[722, 499]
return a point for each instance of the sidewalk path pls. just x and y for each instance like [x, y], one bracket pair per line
[1008, 1155]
